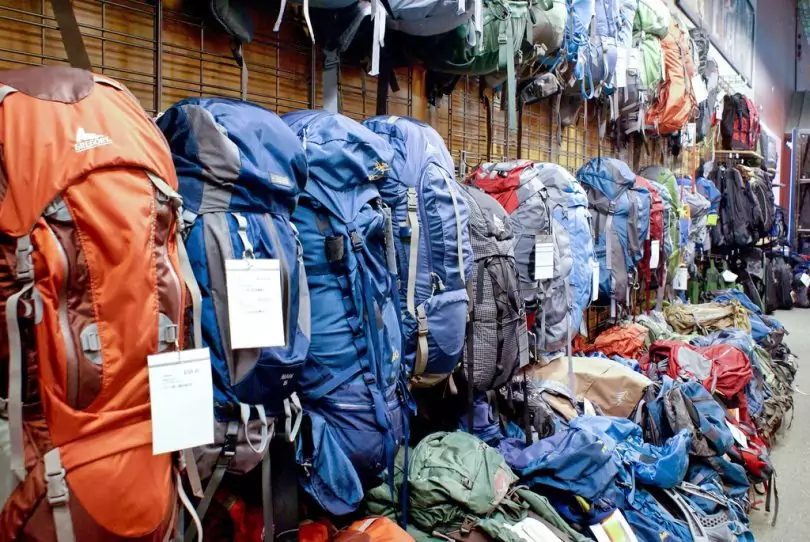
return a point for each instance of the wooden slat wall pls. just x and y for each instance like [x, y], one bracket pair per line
[163, 52]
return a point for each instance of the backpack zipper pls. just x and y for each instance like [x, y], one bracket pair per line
[72, 354]
[178, 285]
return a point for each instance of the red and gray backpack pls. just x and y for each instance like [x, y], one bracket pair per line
[739, 129]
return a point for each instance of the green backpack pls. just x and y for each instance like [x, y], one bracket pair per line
[652, 17]
[505, 35]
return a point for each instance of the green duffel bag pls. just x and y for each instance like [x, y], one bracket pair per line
[460, 52]
[652, 17]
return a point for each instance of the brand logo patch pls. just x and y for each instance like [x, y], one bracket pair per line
[86, 141]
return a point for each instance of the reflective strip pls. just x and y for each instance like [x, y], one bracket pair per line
[242, 232]
[58, 496]
[413, 221]
[5, 91]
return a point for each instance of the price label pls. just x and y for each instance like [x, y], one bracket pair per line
[681, 279]
[181, 400]
[595, 281]
[805, 278]
[655, 253]
[254, 303]
[711, 220]
[729, 277]
[543, 257]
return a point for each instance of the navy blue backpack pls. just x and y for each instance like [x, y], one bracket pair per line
[427, 207]
[353, 387]
[241, 170]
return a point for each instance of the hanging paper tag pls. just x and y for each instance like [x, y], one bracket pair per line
[738, 435]
[595, 282]
[543, 257]
[182, 400]
[622, 63]
[681, 279]
[699, 87]
[805, 278]
[254, 303]
[786, 251]
[711, 220]
[655, 253]
[729, 277]
[614, 529]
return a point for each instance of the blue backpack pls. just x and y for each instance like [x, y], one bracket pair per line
[352, 387]
[568, 205]
[621, 224]
[613, 30]
[240, 170]
[427, 207]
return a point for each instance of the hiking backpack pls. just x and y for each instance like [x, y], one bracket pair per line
[240, 170]
[352, 386]
[739, 127]
[736, 213]
[91, 285]
[497, 341]
[651, 276]
[652, 17]
[519, 188]
[760, 183]
[676, 102]
[620, 226]
[432, 243]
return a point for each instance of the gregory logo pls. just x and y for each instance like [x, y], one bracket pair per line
[379, 171]
[86, 141]
[286, 377]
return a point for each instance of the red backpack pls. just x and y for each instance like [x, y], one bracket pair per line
[656, 234]
[731, 371]
[739, 129]
[501, 183]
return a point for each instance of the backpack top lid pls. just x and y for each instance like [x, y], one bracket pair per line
[609, 176]
[231, 155]
[344, 157]
[414, 143]
[561, 185]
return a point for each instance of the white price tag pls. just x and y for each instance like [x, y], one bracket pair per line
[805, 278]
[681, 279]
[699, 87]
[182, 400]
[655, 253]
[614, 528]
[543, 257]
[254, 303]
[738, 435]
[595, 283]
[786, 251]
[728, 276]
[622, 64]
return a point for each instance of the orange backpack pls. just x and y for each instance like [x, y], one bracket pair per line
[676, 99]
[89, 287]
[372, 529]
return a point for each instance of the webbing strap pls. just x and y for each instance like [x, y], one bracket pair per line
[71, 35]
[58, 496]
[5, 91]
[223, 462]
[196, 520]
[192, 473]
[267, 500]
[413, 222]
[459, 228]
[331, 72]
[244, 414]
[420, 364]
[506, 54]
[242, 224]
[378, 13]
[182, 256]
[572, 382]
[390, 250]
[15, 380]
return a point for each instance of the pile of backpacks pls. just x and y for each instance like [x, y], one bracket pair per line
[420, 354]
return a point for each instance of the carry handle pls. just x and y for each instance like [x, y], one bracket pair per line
[71, 35]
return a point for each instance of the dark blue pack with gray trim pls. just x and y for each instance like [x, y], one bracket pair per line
[240, 171]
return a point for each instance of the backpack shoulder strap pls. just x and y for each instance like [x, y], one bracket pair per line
[71, 35]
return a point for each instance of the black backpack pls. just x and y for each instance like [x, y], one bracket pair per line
[760, 183]
[739, 215]
[497, 340]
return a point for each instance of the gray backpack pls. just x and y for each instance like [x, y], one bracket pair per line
[497, 340]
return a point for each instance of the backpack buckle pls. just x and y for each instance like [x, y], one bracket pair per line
[57, 490]
[612, 208]
[25, 263]
[357, 241]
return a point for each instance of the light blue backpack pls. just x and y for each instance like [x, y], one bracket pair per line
[432, 244]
